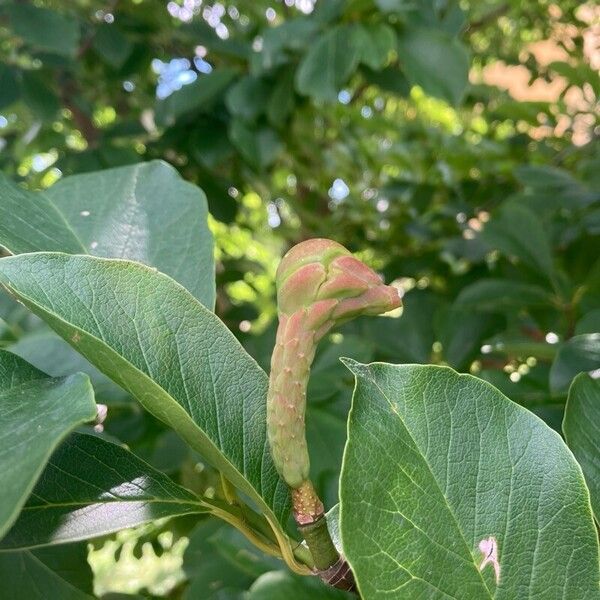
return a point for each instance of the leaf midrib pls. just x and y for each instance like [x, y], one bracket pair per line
[177, 406]
[451, 512]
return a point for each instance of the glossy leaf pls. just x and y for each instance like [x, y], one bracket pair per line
[156, 341]
[445, 479]
[91, 487]
[581, 427]
[143, 212]
[36, 413]
[30, 222]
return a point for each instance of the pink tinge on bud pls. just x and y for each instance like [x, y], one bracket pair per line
[358, 269]
[300, 288]
[376, 301]
[340, 284]
[317, 250]
[319, 313]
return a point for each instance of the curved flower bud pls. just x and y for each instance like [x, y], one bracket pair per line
[320, 285]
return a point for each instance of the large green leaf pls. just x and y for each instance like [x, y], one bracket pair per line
[328, 63]
[176, 357]
[201, 94]
[51, 354]
[36, 413]
[61, 572]
[142, 212]
[581, 427]
[30, 222]
[439, 470]
[44, 29]
[580, 353]
[220, 561]
[92, 487]
[436, 61]
[501, 295]
[518, 233]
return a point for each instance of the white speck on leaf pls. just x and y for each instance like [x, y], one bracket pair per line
[85, 213]
[489, 549]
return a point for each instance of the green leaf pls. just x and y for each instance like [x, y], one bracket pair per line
[68, 562]
[112, 45]
[581, 426]
[48, 352]
[461, 332]
[328, 64]
[39, 95]
[176, 357]
[30, 222]
[46, 573]
[36, 413]
[435, 61]
[282, 99]
[517, 232]
[279, 585]
[247, 98]
[120, 213]
[501, 295]
[92, 487]
[143, 212]
[439, 469]
[9, 91]
[44, 29]
[375, 41]
[292, 34]
[219, 559]
[194, 97]
[580, 353]
[258, 146]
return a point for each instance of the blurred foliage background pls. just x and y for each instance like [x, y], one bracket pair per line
[452, 145]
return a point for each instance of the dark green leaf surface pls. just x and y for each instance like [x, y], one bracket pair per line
[48, 352]
[328, 64]
[517, 232]
[501, 295]
[143, 212]
[44, 29]
[30, 222]
[279, 585]
[581, 427]
[176, 357]
[92, 487]
[49, 573]
[194, 97]
[436, 464]
[36, 412]
[435, 61]
[580, 353]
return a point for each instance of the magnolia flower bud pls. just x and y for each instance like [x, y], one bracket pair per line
[320, 285]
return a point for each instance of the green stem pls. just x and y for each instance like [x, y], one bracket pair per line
[319, 541]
